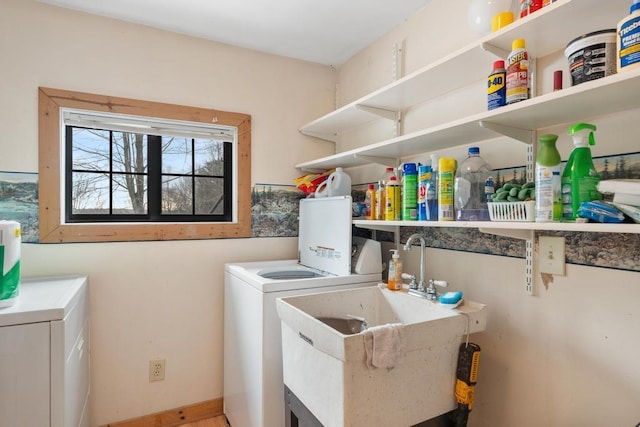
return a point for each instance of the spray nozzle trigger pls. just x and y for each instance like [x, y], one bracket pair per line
[576, 129]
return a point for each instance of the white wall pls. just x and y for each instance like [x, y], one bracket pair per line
[154, 299]
[567, 356]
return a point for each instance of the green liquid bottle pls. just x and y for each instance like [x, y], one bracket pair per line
[580, 178]
[548, 170]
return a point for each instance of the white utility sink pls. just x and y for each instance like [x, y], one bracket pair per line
[327, 369]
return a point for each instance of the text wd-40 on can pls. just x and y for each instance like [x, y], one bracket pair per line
[496, 86]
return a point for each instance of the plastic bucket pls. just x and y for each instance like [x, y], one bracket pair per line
[592, 56]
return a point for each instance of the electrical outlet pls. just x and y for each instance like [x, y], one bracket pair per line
[156, 369]
[551, 255]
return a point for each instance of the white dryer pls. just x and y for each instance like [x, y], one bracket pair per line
[253, 385]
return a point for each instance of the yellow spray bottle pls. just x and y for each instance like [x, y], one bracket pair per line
[446, 175]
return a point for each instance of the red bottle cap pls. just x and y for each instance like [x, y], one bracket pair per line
[498, 64]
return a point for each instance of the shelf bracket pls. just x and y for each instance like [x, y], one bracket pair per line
[509, 232]
[332, 137]
[522, 135]
[380, 112]
[386, 161]
[497, 51]
[529, 237]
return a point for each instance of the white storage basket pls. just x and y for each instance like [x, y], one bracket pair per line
[512, 211]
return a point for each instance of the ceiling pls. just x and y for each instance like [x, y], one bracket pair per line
[324, 31]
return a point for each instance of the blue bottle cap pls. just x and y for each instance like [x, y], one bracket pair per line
[409, 168]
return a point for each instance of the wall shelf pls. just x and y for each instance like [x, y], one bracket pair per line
[546, 31]
[503, 228]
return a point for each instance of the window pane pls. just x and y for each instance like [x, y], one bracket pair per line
[209, 196]
[177, 195]
[90, 150]
[129, 194]
[89, 193]
[209, 157]
[176, 155]
[129, 152]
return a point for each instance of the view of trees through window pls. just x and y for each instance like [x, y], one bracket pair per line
[125, 174]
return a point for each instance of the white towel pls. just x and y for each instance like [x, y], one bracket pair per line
[384, 345]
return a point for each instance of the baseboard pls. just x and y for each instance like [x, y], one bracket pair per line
[175, 417]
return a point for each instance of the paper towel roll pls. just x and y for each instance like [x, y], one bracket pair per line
[10, 262]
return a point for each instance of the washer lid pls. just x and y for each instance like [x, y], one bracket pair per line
[324, 240]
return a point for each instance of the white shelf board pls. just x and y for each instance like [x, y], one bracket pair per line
[544, 31]
[611, 94]
[496, 225]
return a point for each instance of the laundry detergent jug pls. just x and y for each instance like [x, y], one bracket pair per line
[337, 184]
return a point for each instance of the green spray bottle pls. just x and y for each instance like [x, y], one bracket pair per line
[580, 178]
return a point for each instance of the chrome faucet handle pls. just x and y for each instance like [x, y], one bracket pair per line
[412, 278]
[431, 291]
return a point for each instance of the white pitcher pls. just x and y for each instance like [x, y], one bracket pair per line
[337, 184]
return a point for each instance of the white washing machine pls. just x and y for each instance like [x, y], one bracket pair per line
[253, 385]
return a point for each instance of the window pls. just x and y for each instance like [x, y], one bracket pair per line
[115, 169]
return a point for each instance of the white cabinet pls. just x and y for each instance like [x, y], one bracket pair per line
[44, 355]
[545, 31]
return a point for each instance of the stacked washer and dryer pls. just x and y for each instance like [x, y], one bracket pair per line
[329, 259]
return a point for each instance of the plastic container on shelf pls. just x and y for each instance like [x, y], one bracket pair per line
[393, 202]
[592, 56]
[628, 40]
[432, 191]
[370, 202]
[446, 175]
[469, 188]
[424, 176]
[580, 179]
[529, 6]
[547, 180]
[381, 193]
[409, 192]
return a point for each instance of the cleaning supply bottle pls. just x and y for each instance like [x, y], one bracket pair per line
[381, 193]
[446, 174]
[432, 191]
[518, 86]
[580, 179]
[370, 202]
[424, 176]
[409, 192]
[394, 279]
[393, 209]
[496, 86]
[547, 180]
[628, 39]
[470, 198]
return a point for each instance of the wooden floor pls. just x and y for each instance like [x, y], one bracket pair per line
[220, 421]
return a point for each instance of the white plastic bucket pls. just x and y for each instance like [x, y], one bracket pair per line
[592, 56]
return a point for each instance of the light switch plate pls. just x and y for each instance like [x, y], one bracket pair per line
[551, 255]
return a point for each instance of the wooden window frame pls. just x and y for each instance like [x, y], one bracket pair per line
[51, 179]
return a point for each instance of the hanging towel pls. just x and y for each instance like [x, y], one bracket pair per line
[384, 345]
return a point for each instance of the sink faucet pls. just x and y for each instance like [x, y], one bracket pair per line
[423, 243]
